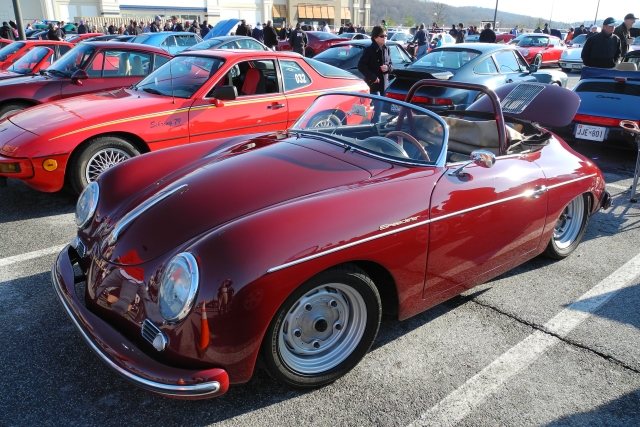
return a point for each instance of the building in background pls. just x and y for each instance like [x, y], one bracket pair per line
[334, 12]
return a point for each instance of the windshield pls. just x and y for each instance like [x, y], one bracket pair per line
[27, 63]
[448, 58]
[181, 77]
[325, 36]
[580, 39]
[342, 53]
[75, 59]
[395, 132]
[207, 44]
[10, 49]
[533, 41]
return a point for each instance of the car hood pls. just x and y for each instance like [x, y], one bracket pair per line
[9, 75]
[82, 111]
[572, 54]
[25, 80]
[220, 188]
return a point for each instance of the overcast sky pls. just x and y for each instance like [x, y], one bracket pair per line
[563, 10]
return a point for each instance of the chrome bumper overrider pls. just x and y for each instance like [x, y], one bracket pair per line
[104, 345]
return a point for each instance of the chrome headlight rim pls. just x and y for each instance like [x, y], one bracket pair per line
[93, 191]
[192, 265]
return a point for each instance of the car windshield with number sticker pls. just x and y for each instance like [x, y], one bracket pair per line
[452, 58]
[376, 126]
[181, 77]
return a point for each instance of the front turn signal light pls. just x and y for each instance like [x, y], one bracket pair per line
[50, 165]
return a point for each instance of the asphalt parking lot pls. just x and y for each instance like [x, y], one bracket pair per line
[550, 343]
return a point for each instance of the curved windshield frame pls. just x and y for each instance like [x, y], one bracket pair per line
[76, 59]
[181, 77]
[27, 62]
[350, 120]
[449, 58]
[10, 49]
[534, 41]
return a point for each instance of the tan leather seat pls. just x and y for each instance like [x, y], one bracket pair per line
[627, 66]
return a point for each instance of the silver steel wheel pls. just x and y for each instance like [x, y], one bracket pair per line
[322, 328]
[569, 224]
[103, 160]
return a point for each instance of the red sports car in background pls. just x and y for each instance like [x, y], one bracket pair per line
[504, 37]
[541, 49]
[14, 51]
[36, 59]
[203, 95]
[87, 68]
[77, 38]
[318, 42]
[192, 262]
[4, 42]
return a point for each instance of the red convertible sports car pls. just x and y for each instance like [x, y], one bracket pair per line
[319, 41]
[204, 95]
[87, 68]
[36, 59]
[541, 49]
[192, 262]
[14, 51]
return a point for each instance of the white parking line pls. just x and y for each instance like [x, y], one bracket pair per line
[30, 255]
[621, 187]
[468, 397]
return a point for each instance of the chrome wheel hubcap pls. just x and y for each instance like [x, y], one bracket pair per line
[103, 160]
[569, 223]
[322, 328]
[326, 123]
[10, 112]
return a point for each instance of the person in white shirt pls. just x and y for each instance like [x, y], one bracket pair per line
[325, 27]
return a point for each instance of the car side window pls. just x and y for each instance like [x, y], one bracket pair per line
[254, 77]
[186, 40]
[169, 41]
[63, 50]
[249, 44]
[294, 76]
[507, 62]
[230, 45]
[159, 61]
[95, 68]
[486, 67]
[398, 56]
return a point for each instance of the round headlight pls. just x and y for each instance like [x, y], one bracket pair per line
[178, 287]
[87, 203]
[564, 53]
[525, 52]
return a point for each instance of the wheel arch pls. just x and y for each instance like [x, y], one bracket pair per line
[31, 102]
[137, 142]
[385, 284]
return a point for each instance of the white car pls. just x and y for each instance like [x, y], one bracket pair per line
[571, 59]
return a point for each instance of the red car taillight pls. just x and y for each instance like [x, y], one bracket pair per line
[397, 96]
[604, 121]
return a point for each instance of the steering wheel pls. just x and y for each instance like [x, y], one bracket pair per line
[403, 135]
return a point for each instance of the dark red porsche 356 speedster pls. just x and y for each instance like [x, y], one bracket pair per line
[192, 262]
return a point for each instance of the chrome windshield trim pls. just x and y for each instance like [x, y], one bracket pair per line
[200, 389]
[126, 220]
[527, 194]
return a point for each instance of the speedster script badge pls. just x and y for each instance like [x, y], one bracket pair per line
[402, 221]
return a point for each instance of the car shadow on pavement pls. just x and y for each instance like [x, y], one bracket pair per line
[19, 202]
[622, 411]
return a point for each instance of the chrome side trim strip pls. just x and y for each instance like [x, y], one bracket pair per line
[165, 389]
[528, 193]
[139, 210]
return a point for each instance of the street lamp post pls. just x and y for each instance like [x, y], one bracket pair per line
[596, 18]
[495, 14]
[19, 23]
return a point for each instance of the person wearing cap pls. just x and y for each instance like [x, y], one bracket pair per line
[592, 31]
[298, 40]
[375, 65]
[82, 29]
[602, 50]
[622, 31]
[155, 25]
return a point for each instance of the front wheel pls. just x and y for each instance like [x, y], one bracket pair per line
[96, 157]
[538, 61]
[327, 120]
[323, 329]
[10, 109]
[569, 229]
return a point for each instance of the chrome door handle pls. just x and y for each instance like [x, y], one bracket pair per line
[275, 106]
[538, 191]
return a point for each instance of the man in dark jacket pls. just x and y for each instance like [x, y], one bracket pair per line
[112, 29]
[461, 35]
[6, 32]
[270, 36]
[602, 50]
[177, 26]
[622, 31]
[298, 40]
[82, 29]
[242, 29]
[204, 30]
[545, 30]
[487, 35]
[579, 30]
[421, 39]
[375, 65]
[285, 31]
[54, 33]
[155, 25]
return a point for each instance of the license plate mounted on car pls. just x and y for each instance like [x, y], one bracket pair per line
[593, 133]
[395, 108]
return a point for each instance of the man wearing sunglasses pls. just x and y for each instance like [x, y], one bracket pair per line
[375, 65]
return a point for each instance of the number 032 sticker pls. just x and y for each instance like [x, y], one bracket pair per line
[300, 78]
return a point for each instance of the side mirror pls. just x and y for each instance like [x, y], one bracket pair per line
[482, 158]
[533, 68]
[225, 93]
[79, 75]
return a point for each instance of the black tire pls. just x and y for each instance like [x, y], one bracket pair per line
[304, 367]
[309, 53]
[569, 229]
[324, 120]
[565, 70]
[537, 60]
[79, 162]
[12, 108]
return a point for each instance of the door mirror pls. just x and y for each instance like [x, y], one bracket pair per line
[533, 68]
[483, 158]
[79, 75]
[225, 93]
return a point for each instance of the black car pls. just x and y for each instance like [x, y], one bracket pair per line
[346, 55]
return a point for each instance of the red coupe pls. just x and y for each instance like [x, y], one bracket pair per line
[35, 60]
[14, 51]
[318, 42]
[541, 49]
[203, 95]
[77, 38]
[192, 262]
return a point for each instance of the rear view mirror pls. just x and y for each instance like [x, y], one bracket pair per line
[533, 68]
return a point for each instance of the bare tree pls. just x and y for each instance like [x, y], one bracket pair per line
[439, 13]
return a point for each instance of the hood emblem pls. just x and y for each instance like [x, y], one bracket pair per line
[402, 221]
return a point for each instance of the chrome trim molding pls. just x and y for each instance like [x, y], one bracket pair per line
[126, 220]
[166, 389]
[527, 193]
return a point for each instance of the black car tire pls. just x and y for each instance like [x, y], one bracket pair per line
[537, 60]
[344, 287]
[569, 229]
[114, 149]
[309, 53]
[14, 107]
[565, 70]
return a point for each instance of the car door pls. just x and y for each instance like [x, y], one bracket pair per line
[110, 69]
[259, 107]
[297, 88]
[511, 69]
[483, 219]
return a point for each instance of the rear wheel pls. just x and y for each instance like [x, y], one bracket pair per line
[323, 329]
[325, 120]
[96, 157]
[569, 229]
[9, 109]
[309, 53]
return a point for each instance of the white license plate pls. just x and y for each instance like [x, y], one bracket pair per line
[577, 66]
[593, 133]
[395, 108]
